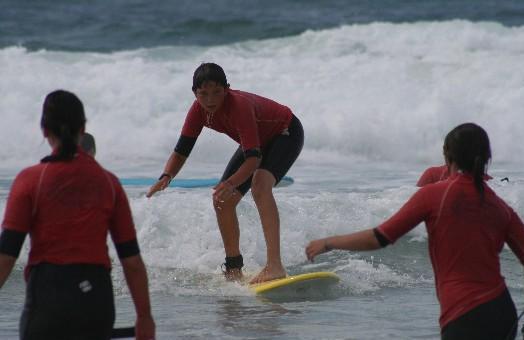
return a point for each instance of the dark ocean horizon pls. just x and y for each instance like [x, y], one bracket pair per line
[105, 26]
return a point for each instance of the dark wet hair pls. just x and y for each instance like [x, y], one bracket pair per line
[63, 115]
[468, 147]
[209, 72]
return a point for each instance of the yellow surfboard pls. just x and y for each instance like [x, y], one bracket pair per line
[302, 285]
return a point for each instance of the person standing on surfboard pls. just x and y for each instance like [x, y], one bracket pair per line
[270, 137]
[68, 204]
[467, 225]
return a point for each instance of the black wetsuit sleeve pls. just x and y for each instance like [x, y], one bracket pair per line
[382, 240]
[127, 249]
[11, 242]
[252, 153]
[185, 144]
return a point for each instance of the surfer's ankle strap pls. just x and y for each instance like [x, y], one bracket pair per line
[234, 262]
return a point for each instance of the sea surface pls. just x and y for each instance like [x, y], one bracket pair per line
[376, 84]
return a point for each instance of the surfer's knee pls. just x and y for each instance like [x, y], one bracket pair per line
[225, 206]
[261, 189]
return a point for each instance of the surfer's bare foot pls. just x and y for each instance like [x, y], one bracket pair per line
[268, 274]
[234, 274]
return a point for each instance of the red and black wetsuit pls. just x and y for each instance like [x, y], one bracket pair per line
[466, 233]
[260, 125]
[68, 208]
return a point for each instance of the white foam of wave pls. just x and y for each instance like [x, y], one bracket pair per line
[178, 234]
[378, 91]
[182, 248]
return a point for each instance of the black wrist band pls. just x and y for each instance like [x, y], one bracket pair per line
[165, 174]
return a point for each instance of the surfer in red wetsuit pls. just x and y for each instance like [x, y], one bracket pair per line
[68, 204]
[270, 138]
[467, 225]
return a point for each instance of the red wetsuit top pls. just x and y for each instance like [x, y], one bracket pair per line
[68, 208]
[433, 174]
[437, 173]
[249, 119]
[465, 237]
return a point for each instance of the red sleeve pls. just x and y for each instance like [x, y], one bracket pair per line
[245, 122]
[515, 238]
[414, 211]
[122, 227]
[194, 121]
[426, 178]
[19, 207]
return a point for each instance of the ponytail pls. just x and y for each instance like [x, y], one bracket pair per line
[479, 171]
[63, 115]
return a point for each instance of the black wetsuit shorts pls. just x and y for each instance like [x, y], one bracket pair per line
[277, 157]
[73, 302]
[495, 319]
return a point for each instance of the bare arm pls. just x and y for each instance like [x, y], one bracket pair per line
[360, 240]
[136, 278]
[6, 266]
[172, 168]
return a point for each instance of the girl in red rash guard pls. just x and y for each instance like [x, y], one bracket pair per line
[467, 225]
[270, 138]
[68, 204]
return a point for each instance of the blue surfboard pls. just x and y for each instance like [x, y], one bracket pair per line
[188, 182]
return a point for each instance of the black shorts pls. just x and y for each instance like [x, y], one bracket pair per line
[495, 319]
[277, 157]
[68, 302]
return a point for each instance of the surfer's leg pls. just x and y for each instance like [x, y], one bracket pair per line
[228, 224]
[228, 221]
[277, 159]
[261, 189]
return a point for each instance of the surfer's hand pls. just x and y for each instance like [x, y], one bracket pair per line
[223, 191]
[145, 328]
[158, 186]
[316, 247]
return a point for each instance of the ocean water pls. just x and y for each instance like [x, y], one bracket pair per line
[376, 84]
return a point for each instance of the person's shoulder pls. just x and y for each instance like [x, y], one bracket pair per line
[432, 175]
[238, 96]
[31, 171]
[110, 175]
[438, 167]
[29, 175]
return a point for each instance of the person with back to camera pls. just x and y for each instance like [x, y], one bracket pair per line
[87, 143]
[467, 226]
[270, 137]
[68, 204]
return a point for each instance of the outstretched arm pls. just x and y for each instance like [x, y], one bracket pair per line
[136, 278]
[361, 240]
[173, 166]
